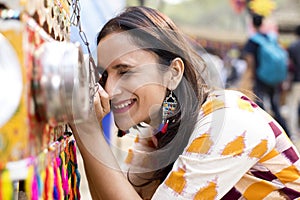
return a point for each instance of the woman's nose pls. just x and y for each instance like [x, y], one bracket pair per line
[112, 87]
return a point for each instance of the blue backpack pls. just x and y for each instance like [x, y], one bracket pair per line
[273, 59]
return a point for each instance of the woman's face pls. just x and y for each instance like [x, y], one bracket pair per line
[135, 84]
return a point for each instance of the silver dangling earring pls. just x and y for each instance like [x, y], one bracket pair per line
[168, 109]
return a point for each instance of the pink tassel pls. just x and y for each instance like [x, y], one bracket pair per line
[35, 189]
[58, 180]
[64, 177]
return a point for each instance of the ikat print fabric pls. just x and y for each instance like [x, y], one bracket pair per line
[236, 151]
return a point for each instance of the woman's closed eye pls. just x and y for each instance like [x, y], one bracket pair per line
[124, 69]
[127, 72]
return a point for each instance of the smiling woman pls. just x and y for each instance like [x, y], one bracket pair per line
[130, 91]
[191, 135]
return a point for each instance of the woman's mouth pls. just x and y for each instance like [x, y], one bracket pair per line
[123, 106]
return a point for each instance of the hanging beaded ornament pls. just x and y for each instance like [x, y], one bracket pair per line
[168, 109]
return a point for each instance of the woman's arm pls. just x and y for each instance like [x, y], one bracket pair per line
[106, 180]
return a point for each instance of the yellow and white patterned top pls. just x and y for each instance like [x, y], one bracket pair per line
[236, 151]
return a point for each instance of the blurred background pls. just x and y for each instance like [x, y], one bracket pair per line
[225, 20]
[213, 20]
[221, 28]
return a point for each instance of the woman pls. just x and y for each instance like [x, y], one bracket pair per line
[195, 141]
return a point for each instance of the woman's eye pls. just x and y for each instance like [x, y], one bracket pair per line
[124, 72]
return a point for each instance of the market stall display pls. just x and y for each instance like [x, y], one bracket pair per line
[44, 83]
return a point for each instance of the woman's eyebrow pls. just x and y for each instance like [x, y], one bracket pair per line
[122, 66]
[102, 69]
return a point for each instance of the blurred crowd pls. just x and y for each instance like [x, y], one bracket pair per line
[232, 67]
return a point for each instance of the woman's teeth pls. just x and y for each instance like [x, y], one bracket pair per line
[123, 105]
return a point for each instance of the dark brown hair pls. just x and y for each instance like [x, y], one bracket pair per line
[257, 20]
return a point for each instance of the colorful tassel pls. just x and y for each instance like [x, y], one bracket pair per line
[59, 179]
[49, 183]
[34, 187]
[75, 177]
[64, 173]
[78, 177]
[29, 182]
[164, 128]
[40, 181]
[6, 186]
[55, 183]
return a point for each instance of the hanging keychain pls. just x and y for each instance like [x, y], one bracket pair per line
[94, 76]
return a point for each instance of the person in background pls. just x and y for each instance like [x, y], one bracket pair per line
[195, 140]
[294, 94]
[250, 80]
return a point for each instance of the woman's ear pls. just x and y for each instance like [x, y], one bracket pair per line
[176, 69]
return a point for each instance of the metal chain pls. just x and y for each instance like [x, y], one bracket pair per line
[94, 76]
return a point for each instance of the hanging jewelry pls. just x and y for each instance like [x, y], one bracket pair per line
[94, 76]
[168, 109]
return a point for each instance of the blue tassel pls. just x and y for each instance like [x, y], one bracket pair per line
[163, 127]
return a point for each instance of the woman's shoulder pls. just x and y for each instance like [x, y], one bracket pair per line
[235, 110]
[220, 99]
[227, 92]
[228, 115]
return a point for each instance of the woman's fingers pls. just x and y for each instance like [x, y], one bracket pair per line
[101, 103]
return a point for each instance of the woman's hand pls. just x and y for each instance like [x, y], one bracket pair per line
[101, 108]
[101, 103]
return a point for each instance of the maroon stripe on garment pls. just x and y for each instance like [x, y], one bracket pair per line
[265, 175]
[254, 105]
[291, 154]
[275, 129]
[233, 194]
[290, 193]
